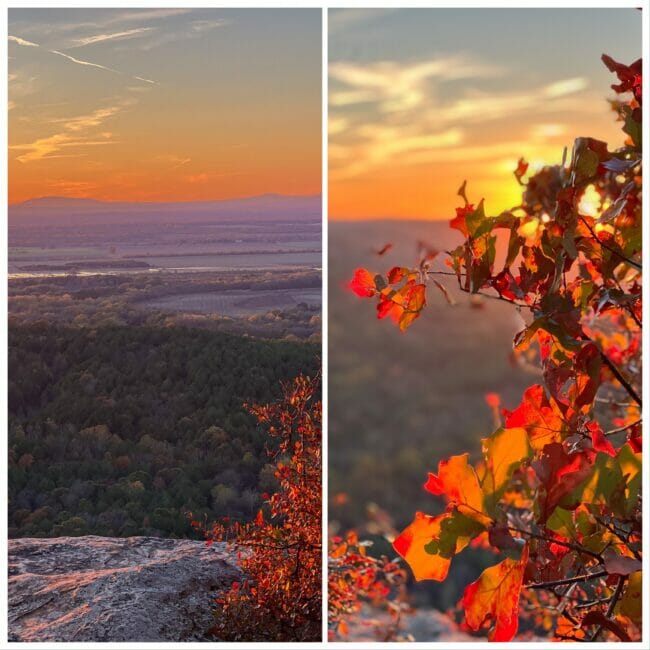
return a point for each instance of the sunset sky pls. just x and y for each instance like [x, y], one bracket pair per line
[164, 104]
[421, 99]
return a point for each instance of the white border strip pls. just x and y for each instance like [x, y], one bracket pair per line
[324, 5]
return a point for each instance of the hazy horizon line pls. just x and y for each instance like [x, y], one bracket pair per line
[340, 219]
[233, 198]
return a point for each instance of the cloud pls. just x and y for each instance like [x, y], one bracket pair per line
[207, 25]
[97, 65]
[152, 14]
[72, 135]
[342, 19]
[566, 87]
[398, 114]
[100, 38]
[174, 161]
[80, 62]
[384, 144]
[548, 130]
[336, 125]
[96, 118]
[78, 188]
[149, 81]
[22, 41]
[206, 177]
[398, 87]
[44, 147]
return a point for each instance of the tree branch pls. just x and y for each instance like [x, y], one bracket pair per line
[615, 371]
[627, 260]
[574, 547]
[567, 581]
[612, 605]
[611, 432]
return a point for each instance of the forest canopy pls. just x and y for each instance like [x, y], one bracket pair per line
[121, 431]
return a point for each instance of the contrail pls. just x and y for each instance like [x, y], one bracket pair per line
[109, 37]
[22, 41]
[80, 62]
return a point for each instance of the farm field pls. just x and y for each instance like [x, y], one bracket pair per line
[235, 302]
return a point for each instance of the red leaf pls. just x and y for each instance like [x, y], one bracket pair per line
[458, 222]
[363, 284]
[522, 168]
[384, 249]
[560, 473]
[536, 415]
[599, 441]
[629, 76]
[495, 596]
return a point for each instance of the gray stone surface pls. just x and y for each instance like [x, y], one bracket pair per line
[420, 625]
[110, 589]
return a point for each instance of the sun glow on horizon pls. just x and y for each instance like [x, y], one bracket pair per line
[134, 105]
[408, 124]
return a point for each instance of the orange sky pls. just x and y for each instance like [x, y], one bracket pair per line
[420, 100]
[164, 104]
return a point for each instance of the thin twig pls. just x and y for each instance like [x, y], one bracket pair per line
[632, 263]
[611, 432]
[612, 605]
[567, 581]
[569, 545]
[615, 371]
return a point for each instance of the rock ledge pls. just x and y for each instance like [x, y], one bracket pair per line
[110, 589]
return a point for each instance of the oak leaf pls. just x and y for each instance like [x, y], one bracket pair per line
[495, 597]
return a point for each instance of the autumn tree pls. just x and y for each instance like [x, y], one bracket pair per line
[357, 577]
[279, 596]
[556, 489]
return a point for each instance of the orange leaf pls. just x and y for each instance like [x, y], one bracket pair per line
[429, 543]
[536, 414]
[458, 481]
[495, 596]
[458, 222]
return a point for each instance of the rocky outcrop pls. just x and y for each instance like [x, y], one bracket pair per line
[422, 625]
[109, 589]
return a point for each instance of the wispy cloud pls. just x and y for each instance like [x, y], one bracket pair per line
[207, 25]
[566, 87]
[96, 118]
[146, 14]
[381, 145]
[22, 41]
[81, 62]
[74, 134]
[72, 59]
[78, 188]
[341, 20]
[411, 117]
[205, 177]
[397, 86]
[45, 147]
[148, 81]
[174, 161]
[100, 38]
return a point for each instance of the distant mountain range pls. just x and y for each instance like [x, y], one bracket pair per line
[71, 211]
